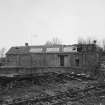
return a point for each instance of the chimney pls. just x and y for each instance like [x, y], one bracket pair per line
[94, 42]
[26, 44]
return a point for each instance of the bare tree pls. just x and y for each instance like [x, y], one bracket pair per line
[48, 43]
[103, 44]
[54, 41]
[2, 52]
[87, 41]
[81, 41]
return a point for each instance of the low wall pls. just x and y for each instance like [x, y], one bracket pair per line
[11, 71]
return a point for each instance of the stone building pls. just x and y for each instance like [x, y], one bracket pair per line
[53, 56]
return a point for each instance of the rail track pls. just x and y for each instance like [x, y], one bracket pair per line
[70, 96]
[31, 77]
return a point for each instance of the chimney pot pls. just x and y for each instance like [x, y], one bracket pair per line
[26, 44]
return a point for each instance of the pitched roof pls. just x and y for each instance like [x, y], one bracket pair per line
[28, 49]
[17, 50]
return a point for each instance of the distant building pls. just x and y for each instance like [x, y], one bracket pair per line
[53, 56]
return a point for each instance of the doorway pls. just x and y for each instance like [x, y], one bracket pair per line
[61, 60]
[77, 62]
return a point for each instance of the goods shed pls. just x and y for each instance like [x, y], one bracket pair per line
[52, 56]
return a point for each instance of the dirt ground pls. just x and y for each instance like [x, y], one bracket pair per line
[51, 88]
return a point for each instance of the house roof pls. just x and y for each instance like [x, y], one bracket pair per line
[35, 49]
[17, 50]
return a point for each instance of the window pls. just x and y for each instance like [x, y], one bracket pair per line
[70, 49]
[52, 50]
[36, 50]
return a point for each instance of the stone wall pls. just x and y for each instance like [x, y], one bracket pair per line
[11, 71]
[53, 59]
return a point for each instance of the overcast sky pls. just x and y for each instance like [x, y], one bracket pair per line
[36, 21]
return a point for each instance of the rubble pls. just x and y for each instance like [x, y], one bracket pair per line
[50, 91]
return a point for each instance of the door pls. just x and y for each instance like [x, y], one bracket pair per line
[61, 60]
